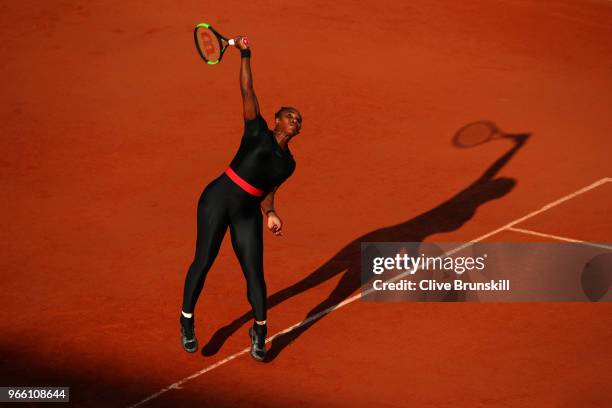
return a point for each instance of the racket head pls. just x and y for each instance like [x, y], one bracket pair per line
[475, 134]
[210, 44]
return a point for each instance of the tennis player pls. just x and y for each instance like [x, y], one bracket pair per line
[237, 199]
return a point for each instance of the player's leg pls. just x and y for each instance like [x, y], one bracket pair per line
[246, 229]
[211, 227]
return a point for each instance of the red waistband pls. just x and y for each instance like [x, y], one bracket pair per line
[242, 183]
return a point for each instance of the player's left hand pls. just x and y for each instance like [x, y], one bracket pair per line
[275, 225]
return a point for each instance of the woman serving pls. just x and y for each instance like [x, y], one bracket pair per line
[237, 199]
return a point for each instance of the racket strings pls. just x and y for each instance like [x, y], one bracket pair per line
[208, 44]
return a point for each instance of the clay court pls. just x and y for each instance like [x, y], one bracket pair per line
[112, 125]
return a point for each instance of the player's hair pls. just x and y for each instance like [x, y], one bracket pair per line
[283, 109]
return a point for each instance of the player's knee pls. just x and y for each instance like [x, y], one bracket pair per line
[201, 264]
[257, 294]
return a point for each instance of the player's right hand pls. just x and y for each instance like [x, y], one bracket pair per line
[241, 42]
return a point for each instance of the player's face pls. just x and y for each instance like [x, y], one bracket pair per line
[289, 122]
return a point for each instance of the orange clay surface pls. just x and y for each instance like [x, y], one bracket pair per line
[111, 126]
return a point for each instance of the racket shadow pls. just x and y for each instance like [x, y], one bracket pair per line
[476, 133]
[448, 216]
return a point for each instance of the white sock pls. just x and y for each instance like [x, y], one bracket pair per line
[187, 315]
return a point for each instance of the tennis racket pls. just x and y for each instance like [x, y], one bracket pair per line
[210, 44]
[477, 133]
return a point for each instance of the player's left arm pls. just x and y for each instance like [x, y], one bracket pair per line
[275, 224]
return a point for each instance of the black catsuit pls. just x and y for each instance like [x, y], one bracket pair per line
[262, 163]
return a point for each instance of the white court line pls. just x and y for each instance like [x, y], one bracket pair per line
[547, 207]
[177, 385]
[558, 238]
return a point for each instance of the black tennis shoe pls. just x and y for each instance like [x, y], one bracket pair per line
[188, 338]
[257, 333]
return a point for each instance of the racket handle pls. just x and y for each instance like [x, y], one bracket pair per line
[231, 41]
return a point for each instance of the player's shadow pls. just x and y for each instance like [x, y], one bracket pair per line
[448, 216]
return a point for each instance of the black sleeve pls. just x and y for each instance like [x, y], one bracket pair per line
[290, 172]
[255, 127]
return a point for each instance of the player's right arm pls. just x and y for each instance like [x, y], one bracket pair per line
[249, 100]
